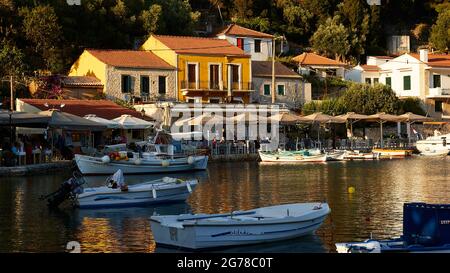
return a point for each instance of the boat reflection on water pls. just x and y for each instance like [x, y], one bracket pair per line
[119, 229]
[305, 244]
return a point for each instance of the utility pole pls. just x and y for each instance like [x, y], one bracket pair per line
[273, 70]
[11, 86]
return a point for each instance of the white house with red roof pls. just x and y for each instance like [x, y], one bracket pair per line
[257, 44]
[421, 75]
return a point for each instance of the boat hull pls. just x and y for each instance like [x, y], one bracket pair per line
[386, 153]
[92, 165]
[132, 198]
[206, 235]
[276, 157]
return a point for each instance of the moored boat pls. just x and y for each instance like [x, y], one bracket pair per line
[164, 190]
[290, 157]
[435, 145]
[359, 155]
[426, 229]
[118, 194]
[261, 225]
[392, 153]
[151, 164]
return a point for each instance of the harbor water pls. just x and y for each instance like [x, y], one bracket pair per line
[373, 208]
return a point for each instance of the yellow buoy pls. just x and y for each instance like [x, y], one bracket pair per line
[351, 189]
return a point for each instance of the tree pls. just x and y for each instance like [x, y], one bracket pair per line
[365, 99]
[151, 19]
[440, 32]
[11, 60]
[41, 28]
[331, 39]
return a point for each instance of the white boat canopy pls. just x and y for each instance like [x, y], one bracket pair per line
[130, 122]
[111, 124]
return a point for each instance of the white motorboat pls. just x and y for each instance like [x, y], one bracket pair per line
[118, 194]
[290, 157]
[434, 145]
[261, 225]
[426, 229]
[149, 164]
[165, 190]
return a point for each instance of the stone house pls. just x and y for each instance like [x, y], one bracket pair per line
[128, 75]
[290, 90]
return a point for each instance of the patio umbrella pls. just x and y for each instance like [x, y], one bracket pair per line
[66, 121]
[321, 118]
[23, 119]
[130, 122]
[383, 118]
[352, 117]
[108, 123]
[410, 118]
[287, 118]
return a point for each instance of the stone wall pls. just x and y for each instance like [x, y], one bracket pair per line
[297, 92]
[113, 87]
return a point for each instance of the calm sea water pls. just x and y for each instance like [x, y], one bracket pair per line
[26, 225]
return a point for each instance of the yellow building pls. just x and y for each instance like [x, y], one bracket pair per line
[209, 70]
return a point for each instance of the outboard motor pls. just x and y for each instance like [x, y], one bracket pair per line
[67, 190]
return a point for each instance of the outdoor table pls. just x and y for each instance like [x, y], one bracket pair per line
[21, 157]
[38, 153]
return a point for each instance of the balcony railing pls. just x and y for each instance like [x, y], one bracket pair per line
[215, 86]
[439, 92]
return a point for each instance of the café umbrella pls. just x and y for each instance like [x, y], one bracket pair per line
[352, 117]
[410, 118]
[130, 122]
[108, 123]
[382, 118]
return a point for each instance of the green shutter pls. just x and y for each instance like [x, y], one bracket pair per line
[280, 90]
[406, 82]
[388, 81]
[266, 89]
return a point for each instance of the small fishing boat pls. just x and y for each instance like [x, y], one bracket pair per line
[261, 225]
[149, 164]
[359, 155]
[335, 155]
[426, 229]
[392, 153]
[290, 157]
[117, 194]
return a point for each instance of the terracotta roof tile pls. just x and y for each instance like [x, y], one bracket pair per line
[314, 59]
[436, 60]
[237, 30]
[264, 69]
[200, 45]
[101, 108]
[366, 67]
[130, 58]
